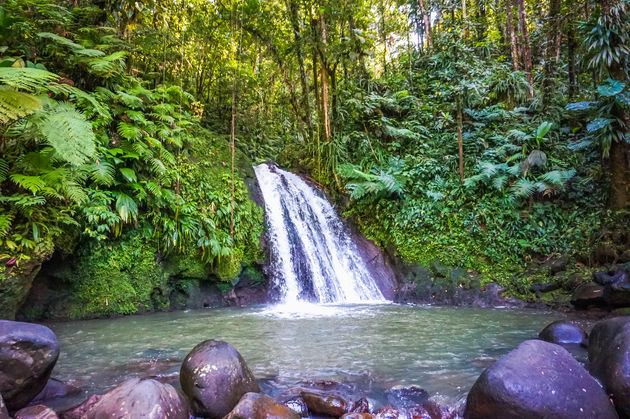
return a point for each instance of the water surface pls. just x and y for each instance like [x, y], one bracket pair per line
[371, 347]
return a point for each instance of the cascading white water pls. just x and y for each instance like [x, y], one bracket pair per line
[313, 257]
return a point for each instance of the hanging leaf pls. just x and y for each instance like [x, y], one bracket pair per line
[580, 106]
[597, 124]
[611, 88]
[128, 174]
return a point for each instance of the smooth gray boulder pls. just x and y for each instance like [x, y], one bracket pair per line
[28, 353]
[215, 376]
[537, 380]
[609, 360]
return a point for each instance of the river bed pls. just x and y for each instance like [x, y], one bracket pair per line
[368, 348]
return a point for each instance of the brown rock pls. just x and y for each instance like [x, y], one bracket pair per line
[325, 404]
[36, 412]
[257, 406]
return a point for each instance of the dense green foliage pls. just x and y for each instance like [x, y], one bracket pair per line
[477, 134]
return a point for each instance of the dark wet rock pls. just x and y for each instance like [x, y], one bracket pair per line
[431, 410]
[80, 411]
[36, 412]
[537, 380]
[247, 292]
[55, 389]
[588, 294]
[388, 413]
[4, 414]
[625, 257]
[563, 332]
[298, 405]
[610, 278]
[406, 397]
[360, 406]
[448, 286]
[609, 360]
[325, 404]
[28, 353]
[547, 287]
[136, 398]
[610, 289]
[357, 415]
[257, 406]
[215, 376]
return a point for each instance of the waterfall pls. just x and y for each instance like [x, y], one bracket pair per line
[313, 257]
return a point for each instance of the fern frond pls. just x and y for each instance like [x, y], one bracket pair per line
[67, 131]
[109, 65]
[524, 188]
[558, 177]
[4, 169]
[29, 79]
[15, 105]
[5, 224]
[76, 48]
[102, 173]
[129, 100]
[129, 131]
[32, 183]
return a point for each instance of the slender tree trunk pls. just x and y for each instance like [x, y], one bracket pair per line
[464, 20]
[460, 138]
[571, 47]
[552, 50]
[619, 149]
[426, 17]
[526, 50]
[383, 35]
[293, 13]
[324, 74]
[509, 14]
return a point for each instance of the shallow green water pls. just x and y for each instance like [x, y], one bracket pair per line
[372, 348]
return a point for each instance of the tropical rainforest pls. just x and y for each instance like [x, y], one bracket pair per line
[489, 135]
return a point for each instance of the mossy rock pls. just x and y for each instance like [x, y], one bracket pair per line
[120, 277]
[16, 279]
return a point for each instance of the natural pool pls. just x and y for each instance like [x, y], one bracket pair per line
[368, 347]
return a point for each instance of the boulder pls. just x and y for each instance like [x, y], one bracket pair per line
[563, 332]
[431, 410]
[55, 389]
[357, 415]
[360, 406]
[215, 376]
[4, 414]
[257, 406]
[141, 398]
[588, 294]
[406, 397]
[36, 412]
[28, 353]
[325, 404]
[537, 380]
[298, 405]
[609, 360]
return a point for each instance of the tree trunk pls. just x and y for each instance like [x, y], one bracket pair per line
[509, 14]
[525, 48]
[552, 50]
[324, 74]
[619, 148]
[620, 173]
[464, 20]
[293, 13]
[571, 47]
[426, 17]
[460, 138]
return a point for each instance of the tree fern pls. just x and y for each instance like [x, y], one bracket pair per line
[32, 183]
[76, 48]
[126, 207]
[67, 131]
[16, 105]
[109, 65]
[129, 131]
[30, 79]
[102, 173]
